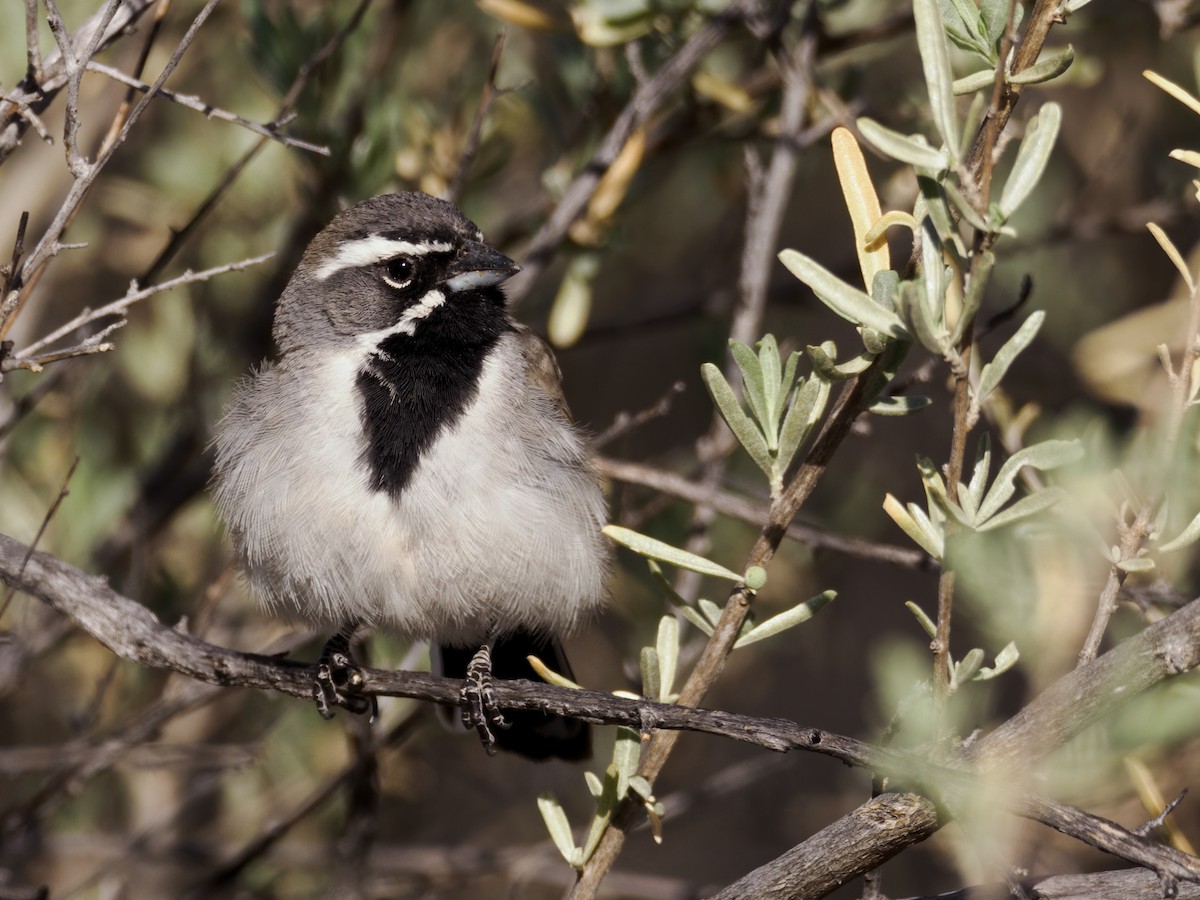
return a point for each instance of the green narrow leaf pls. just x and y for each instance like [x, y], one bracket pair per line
[935, 60]
[651, 675]
[656, 549]
[752, 380]
[981, 273]
[684, 608]
[848, 302]
[558, 825]
[1045, 69]
[899, 406]
[975, 113]
[884, 288]
[1046, 455]
[747, 433]
[994, 15]
[932, 266]
[993, 373]
[710, 610]
[606, 804]
[626, 752]
[1027, 506]
[964, 670]
[914, 150]
[667, 646]
[1185, 538]
[808, 405]
[916, 312]
[1032, 156]
[969, 84]
[594, 785]
[1005, 660]
[923, 620]
[768, 360]
[979, 475]
[966, 210]
[787, 382]
[799, 613]
[920, 530]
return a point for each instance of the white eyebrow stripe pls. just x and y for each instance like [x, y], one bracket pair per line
[407, 323]
[375, 248]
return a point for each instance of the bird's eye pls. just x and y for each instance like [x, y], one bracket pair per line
[398, 271]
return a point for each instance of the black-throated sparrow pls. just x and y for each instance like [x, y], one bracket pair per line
[408, 462]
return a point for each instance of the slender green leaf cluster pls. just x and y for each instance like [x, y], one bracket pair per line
[784, 410]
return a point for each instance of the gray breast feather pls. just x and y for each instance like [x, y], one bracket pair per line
[498, 528]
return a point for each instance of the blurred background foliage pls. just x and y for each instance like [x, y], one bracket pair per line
[395, 105]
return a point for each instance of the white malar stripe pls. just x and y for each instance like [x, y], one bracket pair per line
[375, 248]
[408, 320]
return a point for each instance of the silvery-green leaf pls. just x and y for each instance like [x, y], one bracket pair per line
[932, 266]
[710, 610]
[884, 288]
[914, 150]
[1045, 69]
[855, 365]
[1024, 508]
[799, 613]
[975, 113]
[1185, 538]
[1137, 564]
[981, 273]
[935, 60]
[916, 313]
[1046, 455]
[848, 302]
[787, 382]
[963, 15]
[922, 533]
[824, 364]
[994, 15]
[969, 84]
[966, 210]
[1032, 156]
[667, 647]
[874, 342]
[923, 620]
[1005, 660]
[651, 676]
[753, 385]
[808, 405]
[992, 373]
[768, 358]
[558, 825]
[656, 549]
[899, 406]
[979, 475]
[627, 751]
[594, 785]
[684, 608]
[747, 433]
[606, 805]
[965, 669]
[639, 785]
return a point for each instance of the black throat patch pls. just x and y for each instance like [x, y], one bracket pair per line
[414, 386]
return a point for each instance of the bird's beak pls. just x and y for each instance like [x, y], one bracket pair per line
[479, 266]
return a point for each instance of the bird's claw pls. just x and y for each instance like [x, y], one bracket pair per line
[339, 682]
[478, 703]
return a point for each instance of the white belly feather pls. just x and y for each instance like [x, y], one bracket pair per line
[499, 525]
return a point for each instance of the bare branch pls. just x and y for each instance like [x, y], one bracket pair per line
[193, 102]
[27, 358]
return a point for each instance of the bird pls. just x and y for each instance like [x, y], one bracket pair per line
[407, 463]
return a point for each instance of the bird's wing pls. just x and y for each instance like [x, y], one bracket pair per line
[542, 368]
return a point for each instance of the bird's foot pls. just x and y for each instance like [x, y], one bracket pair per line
[339, 681]
[478, 703]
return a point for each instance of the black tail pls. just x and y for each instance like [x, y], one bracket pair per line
[534, 734]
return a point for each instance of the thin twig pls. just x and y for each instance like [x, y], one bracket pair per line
[475, 134]
[33, 50]
[50, 243]
[193, 102]
[58, 499]
[121, 306]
